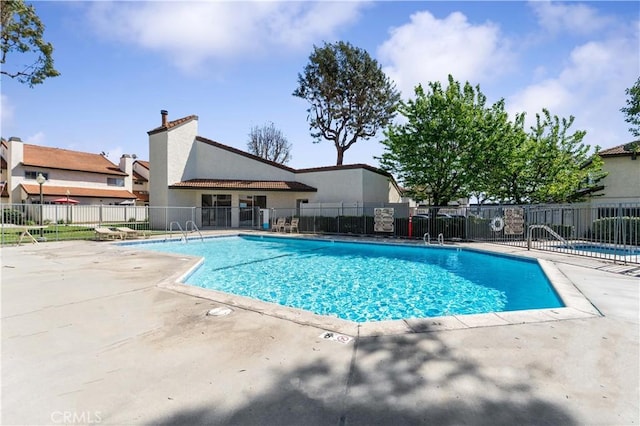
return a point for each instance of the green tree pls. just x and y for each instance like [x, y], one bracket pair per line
[22, 32]
[547, 165]
[269, 143]
[632, 110]
[351, 98]
[447, 146]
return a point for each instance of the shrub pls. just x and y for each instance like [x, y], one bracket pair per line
[565, 231]
[617, 229]
[15, 217]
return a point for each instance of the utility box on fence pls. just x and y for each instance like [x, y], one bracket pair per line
[264, 215]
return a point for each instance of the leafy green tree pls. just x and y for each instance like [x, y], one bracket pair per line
[447, 146]
[22, 32]
[632, 110]
[547, 165]
[351, 98]
[269, 143]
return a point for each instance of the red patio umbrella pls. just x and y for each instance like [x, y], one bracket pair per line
[65, 200]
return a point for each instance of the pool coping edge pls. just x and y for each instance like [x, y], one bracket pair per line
[577, 306]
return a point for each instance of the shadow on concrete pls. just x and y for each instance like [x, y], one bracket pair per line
[392, 380]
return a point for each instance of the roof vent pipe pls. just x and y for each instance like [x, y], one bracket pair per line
[164, 114]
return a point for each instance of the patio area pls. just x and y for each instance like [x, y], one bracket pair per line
[89, 335]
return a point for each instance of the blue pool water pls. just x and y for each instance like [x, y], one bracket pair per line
[366, 282]
[626, 251]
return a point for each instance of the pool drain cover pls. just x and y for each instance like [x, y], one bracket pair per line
[219, 312]
[336, 337]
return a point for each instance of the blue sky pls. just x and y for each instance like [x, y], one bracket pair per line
[235, 65]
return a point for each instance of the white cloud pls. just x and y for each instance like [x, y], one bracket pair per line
[7, 112]
[428, 49]
[590, 87]
[573, 18]
[38, 138]
[190, 33]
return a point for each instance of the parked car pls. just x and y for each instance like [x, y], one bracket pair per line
[427, 216]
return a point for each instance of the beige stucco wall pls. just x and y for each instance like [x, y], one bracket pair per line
[180, 147]
[56, 177]
[379, 188]
[213, 162]
[142, 171]
[158, 192]
[622, 184]
[176, 155]
[334, 185]
[171, 155]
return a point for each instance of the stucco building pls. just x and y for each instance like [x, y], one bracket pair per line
[622, 183]
[86, 177]
[193, 171]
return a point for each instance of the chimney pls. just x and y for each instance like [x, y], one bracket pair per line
[164, 114]
[126, 165]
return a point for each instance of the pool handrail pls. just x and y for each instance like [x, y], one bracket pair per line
[194, 227]
[549, 230]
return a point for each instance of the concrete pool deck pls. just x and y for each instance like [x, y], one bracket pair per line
[90, 336]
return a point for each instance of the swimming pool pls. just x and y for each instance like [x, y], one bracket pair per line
[366, 282]
[602, 249]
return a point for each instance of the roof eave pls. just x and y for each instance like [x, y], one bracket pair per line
[106, 172]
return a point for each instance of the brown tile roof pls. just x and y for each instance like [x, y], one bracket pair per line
[33, 189]
[64, 159]
[626, 149]
[172, 124]
[256, 185]
[142, 195]
[144, 164]
[243, 153]
[345, 167]
[138, 176]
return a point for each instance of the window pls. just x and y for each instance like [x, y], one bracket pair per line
[299, 202]
[250, 201]
[30, 174]
[115, 181]
[260, 201]
[216, 210]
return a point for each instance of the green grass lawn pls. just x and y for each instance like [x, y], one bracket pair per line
[56, 232]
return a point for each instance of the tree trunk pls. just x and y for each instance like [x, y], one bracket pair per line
[340, 156]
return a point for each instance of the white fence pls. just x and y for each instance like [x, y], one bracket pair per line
[79, 214]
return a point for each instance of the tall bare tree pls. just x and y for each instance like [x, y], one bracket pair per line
[351, 97]
[269, 143]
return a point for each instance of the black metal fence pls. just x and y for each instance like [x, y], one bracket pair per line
[608, 231]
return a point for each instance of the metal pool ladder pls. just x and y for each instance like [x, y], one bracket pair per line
[550, 231]
[193, 228]
[177, 224]
[427, 238]
[187, 228]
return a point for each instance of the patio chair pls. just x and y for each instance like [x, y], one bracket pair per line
[279, 225]
[131, 233]
[291, 226]
[103, 232]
